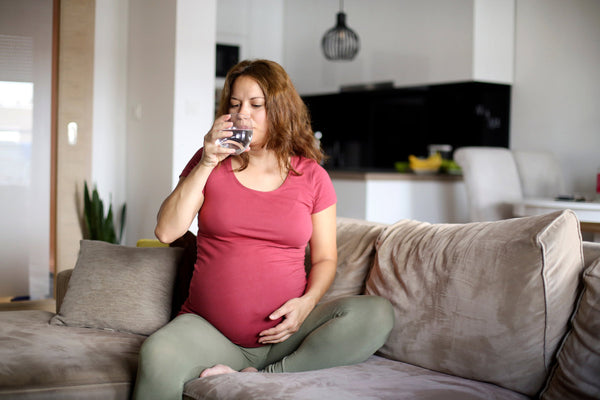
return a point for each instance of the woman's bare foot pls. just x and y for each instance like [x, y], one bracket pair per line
[220, 369]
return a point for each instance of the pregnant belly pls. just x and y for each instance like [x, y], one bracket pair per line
[238, 301]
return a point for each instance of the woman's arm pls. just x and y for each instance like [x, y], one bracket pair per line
[323, 252]
[179, 209]
[177, 212]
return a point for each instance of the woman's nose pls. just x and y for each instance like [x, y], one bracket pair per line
[245, 109]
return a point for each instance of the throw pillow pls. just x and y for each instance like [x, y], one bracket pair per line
[488, 301]
[577, 374]
[120, 288]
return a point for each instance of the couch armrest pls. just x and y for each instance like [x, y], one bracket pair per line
[62, 283]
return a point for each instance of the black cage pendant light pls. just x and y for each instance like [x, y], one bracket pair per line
[340, 42]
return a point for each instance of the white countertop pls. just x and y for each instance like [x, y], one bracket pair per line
[382, 176]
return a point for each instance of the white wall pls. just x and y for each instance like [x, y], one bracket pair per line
[404, 41]
[170, 88]
[150, 88]
[194, 80]
[494, 40]
[556, 93]
[256, 26]
[110, 102]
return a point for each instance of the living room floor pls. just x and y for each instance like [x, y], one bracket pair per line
[42, 304]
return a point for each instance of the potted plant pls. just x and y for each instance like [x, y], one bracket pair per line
[97, 225]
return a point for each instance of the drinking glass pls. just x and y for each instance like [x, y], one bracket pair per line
[242, 133]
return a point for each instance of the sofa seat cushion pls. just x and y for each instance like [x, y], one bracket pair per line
[42, 361]
[376, 378]
[488, 300]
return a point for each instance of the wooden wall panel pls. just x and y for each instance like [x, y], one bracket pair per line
[75, 104]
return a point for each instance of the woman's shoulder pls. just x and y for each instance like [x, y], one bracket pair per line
[305, 164]
[309, 168]
[317, 178]
[192, 162]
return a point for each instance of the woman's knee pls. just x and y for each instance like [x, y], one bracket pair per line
[372, 313]
[157, 349]
[382, 311]
[163, 345]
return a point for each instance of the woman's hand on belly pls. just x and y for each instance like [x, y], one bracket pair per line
[294, 312]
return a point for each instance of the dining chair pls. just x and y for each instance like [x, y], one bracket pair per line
[540, 173]
[491, 180]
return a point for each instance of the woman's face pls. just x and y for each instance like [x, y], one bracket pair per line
[248, 98]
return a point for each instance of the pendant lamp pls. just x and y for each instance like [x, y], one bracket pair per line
[340, 42]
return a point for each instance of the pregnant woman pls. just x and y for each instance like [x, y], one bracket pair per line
[251, 305]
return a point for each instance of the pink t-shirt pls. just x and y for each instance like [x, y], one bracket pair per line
[251, 247]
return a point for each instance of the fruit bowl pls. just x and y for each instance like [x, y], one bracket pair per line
[430, 165]
[425, 170]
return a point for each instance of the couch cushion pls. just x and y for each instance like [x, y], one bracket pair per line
[121, 288]
[41, 361]
[355, 251]
[486, 300]
[577, 375]
[376, 378]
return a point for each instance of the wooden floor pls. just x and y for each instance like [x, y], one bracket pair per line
[46, 305]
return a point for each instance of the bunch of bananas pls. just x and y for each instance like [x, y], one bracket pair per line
[429, 164]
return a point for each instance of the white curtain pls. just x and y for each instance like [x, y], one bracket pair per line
[25, 140]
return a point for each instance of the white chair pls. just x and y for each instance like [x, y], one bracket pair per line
[491, 180]
[540, 174]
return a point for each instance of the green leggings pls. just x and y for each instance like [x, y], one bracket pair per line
[338, 332]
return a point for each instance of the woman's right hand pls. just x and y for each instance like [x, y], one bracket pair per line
[213, 153]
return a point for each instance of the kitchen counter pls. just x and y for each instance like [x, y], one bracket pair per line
[379, 176]
[390, 196]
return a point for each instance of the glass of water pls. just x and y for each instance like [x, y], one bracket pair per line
[242, 133]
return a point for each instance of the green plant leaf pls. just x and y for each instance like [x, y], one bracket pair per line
[98, 226]
[108, 228]
[122, 223]
[86, 210]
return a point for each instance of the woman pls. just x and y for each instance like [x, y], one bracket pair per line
[251, 306]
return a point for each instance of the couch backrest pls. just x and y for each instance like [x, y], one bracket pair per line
[591, 252]
[488, 301]
[356, 250]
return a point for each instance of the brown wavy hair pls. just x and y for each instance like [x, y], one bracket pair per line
[289, 132]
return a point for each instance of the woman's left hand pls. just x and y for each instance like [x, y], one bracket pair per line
[294, 312]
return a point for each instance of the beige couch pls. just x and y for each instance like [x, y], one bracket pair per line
[491, 310]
